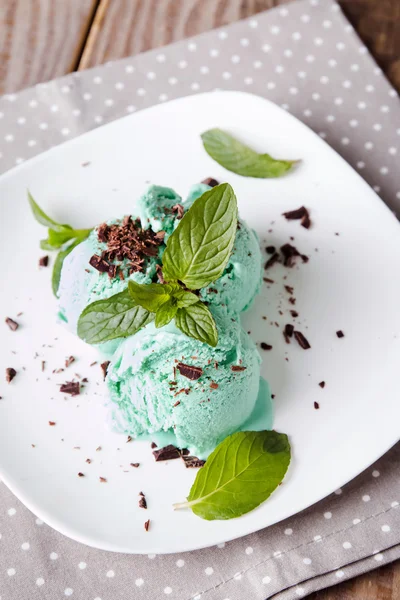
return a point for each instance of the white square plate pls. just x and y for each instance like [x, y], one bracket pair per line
[350, 283]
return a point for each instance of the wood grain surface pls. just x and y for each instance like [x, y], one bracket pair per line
[41, 39]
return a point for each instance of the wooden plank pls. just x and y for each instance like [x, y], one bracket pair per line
[41, 39]
[127, 27]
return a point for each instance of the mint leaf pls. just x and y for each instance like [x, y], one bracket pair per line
[183, 298]
[151, 295]
[44, 219]
[199, 248]
[57, 239]
[239, 158]
[58, 263]
[239, 475]
[111, 318]
[165, 313]
[197, 322]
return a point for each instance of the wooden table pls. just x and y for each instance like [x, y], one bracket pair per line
[43, 39]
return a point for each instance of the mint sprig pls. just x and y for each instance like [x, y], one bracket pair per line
[240, 159]
[240, 474]
[60, 236]
[196, 255]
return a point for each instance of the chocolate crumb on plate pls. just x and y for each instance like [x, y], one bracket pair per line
[102, 480]
[81, 474]
[135, 465]
[13, 325]
[236, 368]
[210, 181]
[147, 525]
[86, 164]
[43, 365]
[189, 371]
[70, 387]
[340, 333]
[129, 439]
[270, 249]
[268, 280]
[98, 449]
[43, 261]
[10, 374]
[294, 313]
[69, 361]
[104, 367]
[299, 213]
[142, 500]
[52, 423]
[192, 462]
[153, 445]
[316, 405]
[322, 384]
[289, 289]
[88, 460]
[271, 261]
[292, 300]
[288, 332]
[265, 346]
[302, 341]
[169, 452]
[289, 254]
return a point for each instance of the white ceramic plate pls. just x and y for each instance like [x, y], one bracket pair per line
[350, 283]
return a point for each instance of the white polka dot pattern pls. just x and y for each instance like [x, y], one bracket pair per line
[306, 58]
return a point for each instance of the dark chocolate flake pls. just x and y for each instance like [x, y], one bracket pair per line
[301, 340]
[43, 261]
[129, 439]
[299, 213]
[153, 445]
[289, 289]
[322, 384]
[142, 500]
[99, 264]
[81, 475]
[135, 465]
[52, 423]
[237, 368]
[112, 271]
[294, 313]
[316, 405]
[270, 249]
[190, 371]
[104, 367]
[10, 374]
[288, 332]
[289, 254]
[178, 208]
[210, 181]
[147, 525]
[70, 387]
[271, 261]
[192, 462]
[169, 452]
[88, 460]
[102, 480]
[69, 361]
[340, 333]
[13, 325]
[265, 346]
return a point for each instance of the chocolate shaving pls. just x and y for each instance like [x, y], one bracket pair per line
[60, 370]
[167, 453]
[88, 460]
[98, 448]
[289, 289]
[135, 465]
[316, 405]
[69, 361]
[237, 368]
[52, 423]
[178, 208]
[43, 261]
[142, 500]
[214, 385]
[43, 365]
[160, 275]
[103, 480]
[265, 346]
[129, 439]
[70, 387]
[292, 300]
[81, 475]
[112, 271]
[340, 333]
[301, 340]
[147, 525]
[289, 254]
[294, 313]
[13, 325]
[192, 462]
[99, 263]
[299, 213]
[177, 403]
[268, 280]
[322, 384]
[153, 445]
[10, 374]
[288, 332]
[190, 371]
[271, 261]
[270, 249]
[210, 181]
[104, 367]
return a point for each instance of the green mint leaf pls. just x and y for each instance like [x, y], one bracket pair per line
[184, 298]
[239, 158]
[57, 239]
[239, 475]
[165, 313]
[197, 322]
[43, 219]
[151, 295]
[111, 318]
[199, 248]
[58, 263]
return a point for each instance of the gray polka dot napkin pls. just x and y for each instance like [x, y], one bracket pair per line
[307, 58]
